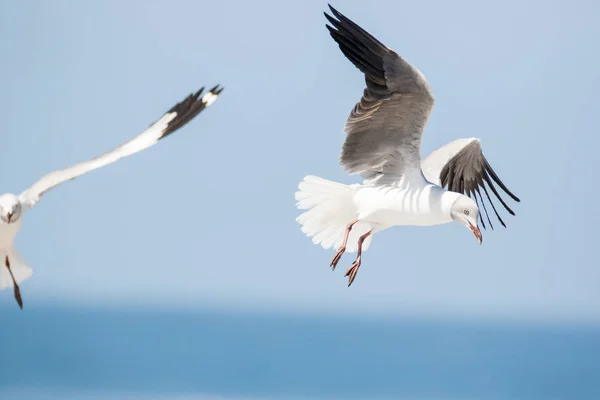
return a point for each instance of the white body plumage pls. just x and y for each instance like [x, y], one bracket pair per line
[331, 206]
[8, 232]
[422, 204]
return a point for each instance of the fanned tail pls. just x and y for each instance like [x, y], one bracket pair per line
[330, 208]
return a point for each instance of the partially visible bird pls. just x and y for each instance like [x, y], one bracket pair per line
[382, 144]
[13, 269]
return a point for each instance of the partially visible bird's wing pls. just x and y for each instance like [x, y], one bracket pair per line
[384, 129]
[172, 120]
[461, 167]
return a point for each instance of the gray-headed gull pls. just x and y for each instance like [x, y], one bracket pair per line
[13, 269]
[382, 144]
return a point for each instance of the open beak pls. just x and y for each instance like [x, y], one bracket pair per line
[8, 217]
[476, 232]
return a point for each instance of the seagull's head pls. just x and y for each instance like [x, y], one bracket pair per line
[10, 208]
[465, 211]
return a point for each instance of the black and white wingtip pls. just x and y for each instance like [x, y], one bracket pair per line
[361, 48]
[186, 110]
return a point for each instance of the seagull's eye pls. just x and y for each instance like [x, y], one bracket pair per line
[466, 212]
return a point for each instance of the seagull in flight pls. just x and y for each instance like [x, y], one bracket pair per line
[383, 139]
[13, 269]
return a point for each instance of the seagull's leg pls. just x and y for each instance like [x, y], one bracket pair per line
[353, 270]
[17, 291]
[342, 248]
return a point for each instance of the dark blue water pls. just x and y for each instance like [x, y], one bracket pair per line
[275, 355]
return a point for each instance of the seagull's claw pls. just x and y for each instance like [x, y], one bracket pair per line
[18, 297]
[17, 290]
[337, 257]
[352, 271]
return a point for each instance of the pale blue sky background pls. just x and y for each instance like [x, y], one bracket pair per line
[206, 220]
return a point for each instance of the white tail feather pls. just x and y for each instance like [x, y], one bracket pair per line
[19, 268]
[330, 208]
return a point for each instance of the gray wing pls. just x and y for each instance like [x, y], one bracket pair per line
[172, 120]
[384, 129]
[461, 167]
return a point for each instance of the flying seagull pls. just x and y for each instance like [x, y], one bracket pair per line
[14, 270]
[383, 139]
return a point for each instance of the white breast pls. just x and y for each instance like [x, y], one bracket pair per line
[8, 233]
[386, 206]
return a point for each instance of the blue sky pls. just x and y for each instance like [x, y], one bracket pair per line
[205, 221]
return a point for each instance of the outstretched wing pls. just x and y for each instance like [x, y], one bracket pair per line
[461, 167]
[384, 129]
[172, 120]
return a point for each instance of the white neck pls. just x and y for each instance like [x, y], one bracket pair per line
[447, 201]
[436, 202]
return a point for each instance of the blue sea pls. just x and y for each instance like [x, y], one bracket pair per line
[80, 353]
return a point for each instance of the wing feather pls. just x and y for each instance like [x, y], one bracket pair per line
[385, 127]
[461, 167]
[172, 120]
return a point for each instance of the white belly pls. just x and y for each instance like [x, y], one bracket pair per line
[391, 217]
[387, 206]
[8, 233]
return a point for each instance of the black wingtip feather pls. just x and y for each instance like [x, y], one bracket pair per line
[187, 109]
[487, 215]
[199, 92]
[491, 185]
[471, 193]
[361, 48]
[366, 37]
[493, 206]
[217, 89]
[453, 176]
[495, 177]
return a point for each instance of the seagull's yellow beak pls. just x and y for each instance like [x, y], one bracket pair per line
[8, 217]
[476, 232]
